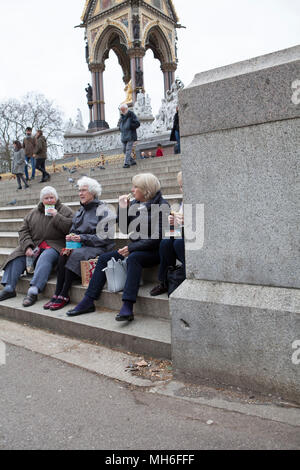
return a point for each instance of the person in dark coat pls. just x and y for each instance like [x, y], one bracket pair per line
[92, 227]
[18, 164]
[41, 237]
[40, 153]
[28, 146]
[128, 124]
[145, 218]
[175, 134]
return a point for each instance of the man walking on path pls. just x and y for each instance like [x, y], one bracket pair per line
[28, 146]
[128, 124]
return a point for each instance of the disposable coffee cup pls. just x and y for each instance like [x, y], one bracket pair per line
[47, 207]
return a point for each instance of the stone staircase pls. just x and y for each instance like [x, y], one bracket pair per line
[150, 333]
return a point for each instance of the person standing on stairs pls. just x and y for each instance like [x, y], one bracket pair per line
[28, 146]
[128, 124]
[145, 218]
[18, 164]
[40, 153]
[41, 238]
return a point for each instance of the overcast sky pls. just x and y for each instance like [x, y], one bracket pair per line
[41, 51]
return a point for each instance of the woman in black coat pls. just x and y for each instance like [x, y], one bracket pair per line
[148, 216]
[92, 228]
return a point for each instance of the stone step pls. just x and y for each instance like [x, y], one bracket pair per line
[164, 174]
[9, 225]
[146, 305]
[18, 212]
[69, 195]
[146, 335]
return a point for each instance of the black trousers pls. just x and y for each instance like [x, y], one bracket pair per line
[65, 278]
[40, 165]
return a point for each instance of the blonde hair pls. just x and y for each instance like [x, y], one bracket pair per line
[148, 183]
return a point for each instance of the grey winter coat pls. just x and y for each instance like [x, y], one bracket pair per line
[95, 223]
[18, 163]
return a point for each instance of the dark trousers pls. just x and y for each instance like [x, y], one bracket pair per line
[40, 165]
[136, 261]
[169, 252]
[65, 277]
[20, 178]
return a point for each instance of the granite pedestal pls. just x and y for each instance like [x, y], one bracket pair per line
[237, 316]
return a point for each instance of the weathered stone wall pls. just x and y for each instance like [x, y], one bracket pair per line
[237, 315]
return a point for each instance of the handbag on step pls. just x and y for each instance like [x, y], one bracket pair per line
[116, 274]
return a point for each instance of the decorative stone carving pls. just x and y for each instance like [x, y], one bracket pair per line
[79, 122]
[142, 107]
[164, 120]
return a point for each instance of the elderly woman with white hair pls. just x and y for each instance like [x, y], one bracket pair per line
[93, 228]
[147, 216]
[41, 238]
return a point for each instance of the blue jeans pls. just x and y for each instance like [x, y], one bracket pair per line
[43, 268]
[169, 252]
[30, 160]
[136, 261]
[127, 150]
[177, 136]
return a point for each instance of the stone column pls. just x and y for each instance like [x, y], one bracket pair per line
[99, 122]
[169, 74]
[136, 55]
[235, 320]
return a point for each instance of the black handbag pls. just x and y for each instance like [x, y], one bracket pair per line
[175, 277]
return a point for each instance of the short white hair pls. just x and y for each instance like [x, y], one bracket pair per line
[93, 186]
[123, 106]
[48, 190]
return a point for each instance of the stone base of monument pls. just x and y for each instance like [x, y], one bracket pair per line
[110, 141]
[236, 319]
[236, 334]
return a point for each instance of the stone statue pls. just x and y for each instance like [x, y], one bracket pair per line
[79, 127]
[89, 93]
[142, 107]
[128, 90]
[136, 27]
[69, 126]
[139, 78]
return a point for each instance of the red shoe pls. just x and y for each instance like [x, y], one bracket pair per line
[48, 304]
[60, 303]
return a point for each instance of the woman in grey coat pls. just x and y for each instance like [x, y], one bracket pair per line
[93, 227]
[18, 164]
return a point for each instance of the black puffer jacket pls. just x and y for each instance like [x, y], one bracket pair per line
[145, 222]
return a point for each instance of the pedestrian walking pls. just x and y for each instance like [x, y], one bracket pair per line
[40, 153]
[18, 164]
[128, 124]
[28, 146]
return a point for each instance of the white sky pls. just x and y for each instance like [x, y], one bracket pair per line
[41, 51]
